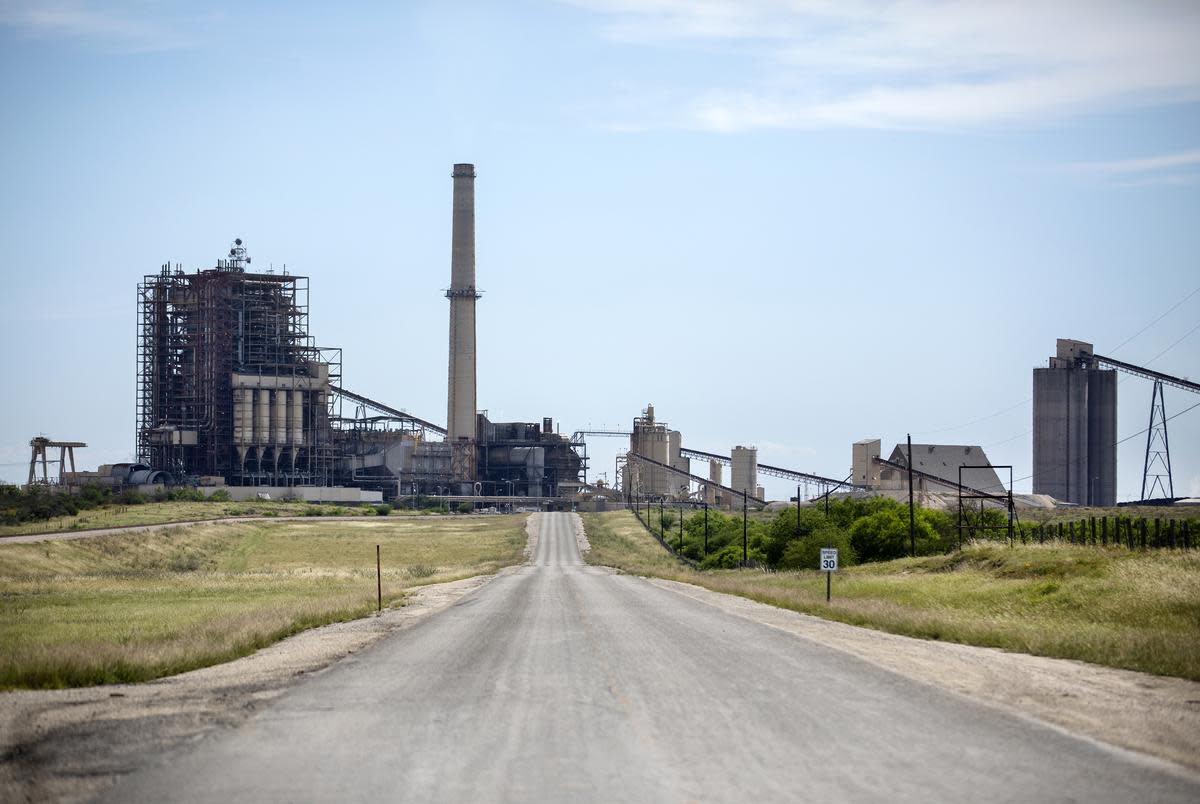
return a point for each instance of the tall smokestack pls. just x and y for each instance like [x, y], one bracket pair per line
[460, 417]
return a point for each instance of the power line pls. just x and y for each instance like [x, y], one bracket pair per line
[1140, 432]
[976, 421]
[1172, 346]
[1122, 441]
[1155, 321]
[1008, 440]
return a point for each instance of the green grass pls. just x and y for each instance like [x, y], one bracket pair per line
[132, 607]
[1130, 609]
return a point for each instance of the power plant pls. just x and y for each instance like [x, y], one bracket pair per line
[234, 391]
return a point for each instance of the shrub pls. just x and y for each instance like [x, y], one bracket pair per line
[421, 571]
[465, 507]
[883, 535]
[383, 510]
[220, 495]
[805, 553]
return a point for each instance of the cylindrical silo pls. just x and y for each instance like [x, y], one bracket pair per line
[296, 417]
[279, 421]
[262, 417]
[743, 474]
[243, 416]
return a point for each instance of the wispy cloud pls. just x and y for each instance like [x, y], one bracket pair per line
[914, 64]
[124, 27]
[1181, 168]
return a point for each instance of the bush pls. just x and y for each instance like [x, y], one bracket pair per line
[383, 510]
[883, 536]
[805, 553]
[465, 507]
[220, 495]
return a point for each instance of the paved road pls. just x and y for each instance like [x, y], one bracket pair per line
[563, 682]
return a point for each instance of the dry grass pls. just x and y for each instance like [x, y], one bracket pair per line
[137, 606]
[1136, 610]
[160, 513]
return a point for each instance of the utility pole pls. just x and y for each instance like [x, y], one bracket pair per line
[681, 527]
[797, 510]
[706, 529]
[745, 553]
[912, 524]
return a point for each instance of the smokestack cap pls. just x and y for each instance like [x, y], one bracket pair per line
[464, 170]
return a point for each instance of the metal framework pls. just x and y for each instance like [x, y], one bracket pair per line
[1158, 450]
[578, 441]
[631, 456]
[825, 485]
[965, 501]
[66, 452]
[389, 415]
[200, 335]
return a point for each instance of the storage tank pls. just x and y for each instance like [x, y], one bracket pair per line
[743, 475]
[262, 417]
[296, 417]
[279, 420]
[243, 416]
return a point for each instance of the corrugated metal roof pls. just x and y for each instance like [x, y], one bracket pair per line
[943, 460]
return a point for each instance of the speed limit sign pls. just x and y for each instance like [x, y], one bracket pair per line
[829, 558]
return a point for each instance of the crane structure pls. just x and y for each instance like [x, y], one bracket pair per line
[66, 451]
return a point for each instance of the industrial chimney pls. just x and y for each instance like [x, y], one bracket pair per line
[460, 419]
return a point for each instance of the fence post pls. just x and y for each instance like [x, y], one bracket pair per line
[1157, 532]
[1171, 533]
[1092, 527]
[1144, 528]
[1104, 531]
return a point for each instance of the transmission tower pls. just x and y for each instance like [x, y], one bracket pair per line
[1158, 450]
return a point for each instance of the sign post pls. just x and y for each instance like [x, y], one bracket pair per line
[829, 564]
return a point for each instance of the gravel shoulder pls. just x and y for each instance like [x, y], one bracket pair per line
[1154, 715]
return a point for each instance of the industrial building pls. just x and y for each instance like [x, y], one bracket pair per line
[232, 390]
[653, 439]
[1075, 427]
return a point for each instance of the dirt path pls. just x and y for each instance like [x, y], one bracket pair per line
[1154, 715]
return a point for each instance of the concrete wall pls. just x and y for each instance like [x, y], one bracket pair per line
[308, 493]
[1102, 437]
[1074, 435]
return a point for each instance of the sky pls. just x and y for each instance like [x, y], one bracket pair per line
[792, 225]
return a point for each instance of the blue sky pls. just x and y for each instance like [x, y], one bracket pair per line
[789, 224]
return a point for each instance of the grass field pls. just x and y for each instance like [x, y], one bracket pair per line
[132, 607]
[1136, 610]
[158, 513]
